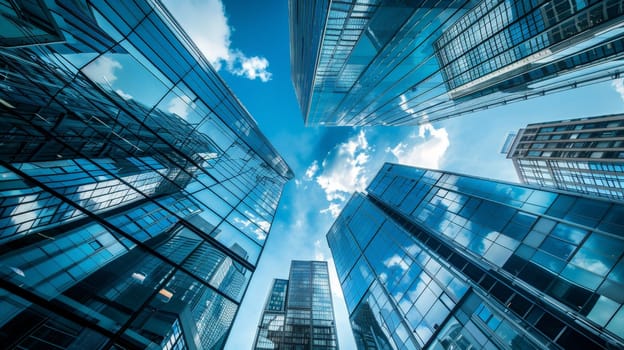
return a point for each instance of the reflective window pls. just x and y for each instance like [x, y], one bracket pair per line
[603, 310]
[569, 233]
[616, 325]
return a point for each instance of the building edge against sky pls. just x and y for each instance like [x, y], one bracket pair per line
[584, 155]
[136, 191]
[400, 63]
[298, 312]
[433, 258]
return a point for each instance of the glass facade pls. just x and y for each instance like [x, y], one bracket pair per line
[437, 260]
[298, 313]
[405, 62]
[582, 155]
[136, 192]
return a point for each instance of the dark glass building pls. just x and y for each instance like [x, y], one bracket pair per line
[298, 313]
[436, 260]
[406, 62]
[583, 155]
[136, 192]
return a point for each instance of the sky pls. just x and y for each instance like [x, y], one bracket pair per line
[248, 43]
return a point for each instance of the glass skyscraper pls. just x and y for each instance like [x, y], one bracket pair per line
[583, 155]
[406, 62]
[298, 313]
[437, 260]
[136, 192]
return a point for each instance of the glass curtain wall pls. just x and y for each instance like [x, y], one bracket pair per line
[408, 62]
[136, 192]
[436, 260]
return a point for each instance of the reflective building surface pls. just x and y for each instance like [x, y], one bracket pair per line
[583, 155]
[383, 62]
[298, 314]
[136, 192]
[437, 260]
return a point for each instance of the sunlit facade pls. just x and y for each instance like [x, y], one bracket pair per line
[298, 313]
[436, 260]
[408, 62]
[583, 155]
[136, 192]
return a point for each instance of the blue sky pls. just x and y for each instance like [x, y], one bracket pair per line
[248, 42]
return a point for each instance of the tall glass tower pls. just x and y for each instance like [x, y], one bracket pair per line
[298, 313]
[136, 192]
[583, 155]
[437, 260]
[376, 62]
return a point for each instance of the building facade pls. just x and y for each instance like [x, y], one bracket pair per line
[298, 313]
[136, 192]
[437, 260]
[404, 62]
[582, 155]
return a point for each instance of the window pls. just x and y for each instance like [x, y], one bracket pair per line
[550, 326]
[596, 154]
[536, 276]
[95, 244]
[557, 248]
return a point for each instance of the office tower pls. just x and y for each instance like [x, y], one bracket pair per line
[437, 260]
[582, 155]
[298, 313]
[136, 192]
[408, 62]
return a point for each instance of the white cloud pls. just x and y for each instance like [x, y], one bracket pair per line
[102, 70]
[428, 154]
[249, 67]
[206, 23]
[25, 214]
[311, 171]
[403, 105]
[346, 173]
[618, 85]
[260, 228]
[123, 95]
[590, 264]
[355, 143]
[179, 106]
[334, 209]
[396, 260]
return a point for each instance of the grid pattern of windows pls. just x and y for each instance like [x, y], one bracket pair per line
[501, 261]
[277, 298]
[307, 23]
[415, 289]
[174, 341]
[136, 192]
[393, 62]
[512, 36]
[580, 155]
[298, 313]
[80, 181]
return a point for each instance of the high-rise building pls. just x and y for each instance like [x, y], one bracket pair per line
[437, 260]
[582, 155]
[298, 313]
[375, 62]
[136, 192]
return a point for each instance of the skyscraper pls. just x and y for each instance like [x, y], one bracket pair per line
[583, 155]
[136, 192]
[298, 313]
[406, 62]
[437, 260]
